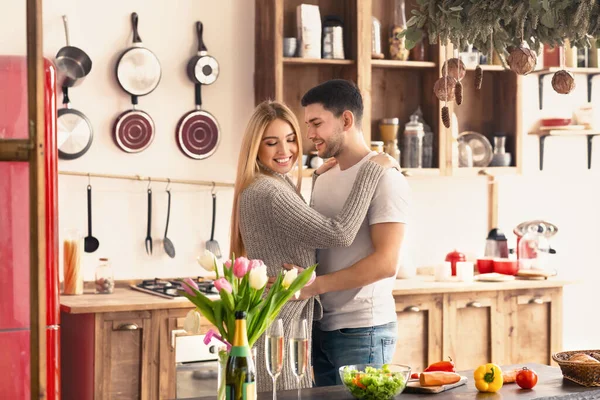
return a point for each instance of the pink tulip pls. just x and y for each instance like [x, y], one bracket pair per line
[227, 263]
[240, 267]
[223, 284]
[188, 284]
[254, 264]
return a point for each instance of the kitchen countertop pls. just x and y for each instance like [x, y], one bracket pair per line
[126, 299]
[551, 385]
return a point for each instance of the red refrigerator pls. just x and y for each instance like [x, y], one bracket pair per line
[14, 235]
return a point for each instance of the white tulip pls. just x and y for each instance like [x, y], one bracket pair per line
[207, 260]
[258, 277]
[289, 277]
[192, 322]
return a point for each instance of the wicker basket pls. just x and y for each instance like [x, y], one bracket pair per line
[586, 374]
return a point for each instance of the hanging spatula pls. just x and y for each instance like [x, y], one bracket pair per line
[212, 245]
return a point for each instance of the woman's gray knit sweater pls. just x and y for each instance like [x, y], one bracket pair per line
[278, 227]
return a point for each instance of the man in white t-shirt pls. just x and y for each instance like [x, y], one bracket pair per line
[354, 283]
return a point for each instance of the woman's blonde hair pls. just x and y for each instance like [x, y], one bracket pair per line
[248, 168]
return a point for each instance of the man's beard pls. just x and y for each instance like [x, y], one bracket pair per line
[333, 146]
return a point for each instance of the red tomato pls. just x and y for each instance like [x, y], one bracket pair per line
[414, 376]
[526, 378]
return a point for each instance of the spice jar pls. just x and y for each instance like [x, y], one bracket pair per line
[105, 279]
[412, 149]
[388, 129]
[377, 146]
[72, 252]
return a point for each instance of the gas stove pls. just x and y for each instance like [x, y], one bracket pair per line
[169, 289]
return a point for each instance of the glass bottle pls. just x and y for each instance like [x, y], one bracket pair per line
[105, 279]
[240, 374]
[412, 151]
[72, 272]
[398, 49]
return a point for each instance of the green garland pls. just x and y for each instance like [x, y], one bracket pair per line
[508, 22]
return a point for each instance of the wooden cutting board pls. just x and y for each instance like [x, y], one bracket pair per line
[415, 387]
[535, 274]
[494, 277]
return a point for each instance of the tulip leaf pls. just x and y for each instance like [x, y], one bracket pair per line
[218, 310]
[203, 304]
[227, 300]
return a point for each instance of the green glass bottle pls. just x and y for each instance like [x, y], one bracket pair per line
[240, 374]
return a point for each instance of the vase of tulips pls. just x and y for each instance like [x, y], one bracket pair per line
[242, 286]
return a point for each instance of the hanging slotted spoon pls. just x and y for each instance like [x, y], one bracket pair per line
[212, 245]
[167, 244]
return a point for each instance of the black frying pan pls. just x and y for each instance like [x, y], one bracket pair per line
[138, 69]
[202, 68]
[75, 132]
[73, 64]
[197, 132]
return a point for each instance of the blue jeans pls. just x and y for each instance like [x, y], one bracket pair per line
[334, 349]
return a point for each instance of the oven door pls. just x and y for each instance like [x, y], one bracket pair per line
[197, 366]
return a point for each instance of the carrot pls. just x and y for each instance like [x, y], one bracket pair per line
[438, 378]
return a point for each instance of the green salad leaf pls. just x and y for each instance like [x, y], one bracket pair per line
[373, 383]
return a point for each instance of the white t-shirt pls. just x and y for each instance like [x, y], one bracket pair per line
[373, 304]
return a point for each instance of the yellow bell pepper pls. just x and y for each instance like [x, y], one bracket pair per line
[488, 378]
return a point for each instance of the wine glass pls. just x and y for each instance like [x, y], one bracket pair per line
[299, 350]
[274, 351]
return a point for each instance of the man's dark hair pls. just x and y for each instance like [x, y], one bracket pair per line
[336, 96]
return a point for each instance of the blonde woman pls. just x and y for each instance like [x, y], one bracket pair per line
[272, 222]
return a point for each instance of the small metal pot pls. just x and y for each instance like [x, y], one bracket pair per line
[73, 64]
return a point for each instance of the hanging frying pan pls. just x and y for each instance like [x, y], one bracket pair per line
[202, 68]
[75, 132]
[133, 130]
[73, 64]
[138, 69]
[197, 133]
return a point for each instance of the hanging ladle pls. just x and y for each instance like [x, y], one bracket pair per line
[167, 244]
[90, 243]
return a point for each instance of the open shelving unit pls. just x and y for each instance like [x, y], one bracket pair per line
[390, 88]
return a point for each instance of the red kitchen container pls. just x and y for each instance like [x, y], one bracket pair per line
[485, 265]
[454, 257]
[506, 266]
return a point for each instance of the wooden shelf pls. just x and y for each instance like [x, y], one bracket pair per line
[489, 68]
[315, 61]
[401, 64]
[572, 70]
[565, 132]
[487, 171]
[420, 172]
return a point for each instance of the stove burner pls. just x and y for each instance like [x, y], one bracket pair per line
[170, 288]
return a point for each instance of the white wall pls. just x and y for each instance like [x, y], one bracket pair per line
[448, 213]
[103, 30]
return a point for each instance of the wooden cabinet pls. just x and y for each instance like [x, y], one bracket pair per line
[123, 349]
[534, 325]
[419, 331]
[109, 356]
[473, 328]
[390, 88]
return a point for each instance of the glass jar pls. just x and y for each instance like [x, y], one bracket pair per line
[72, 271]
[105, 278]
[388, 129]
[398, 49]
[412, 148]
[391, 148]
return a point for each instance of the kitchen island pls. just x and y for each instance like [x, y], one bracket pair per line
[125, 342]
[551, 385]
